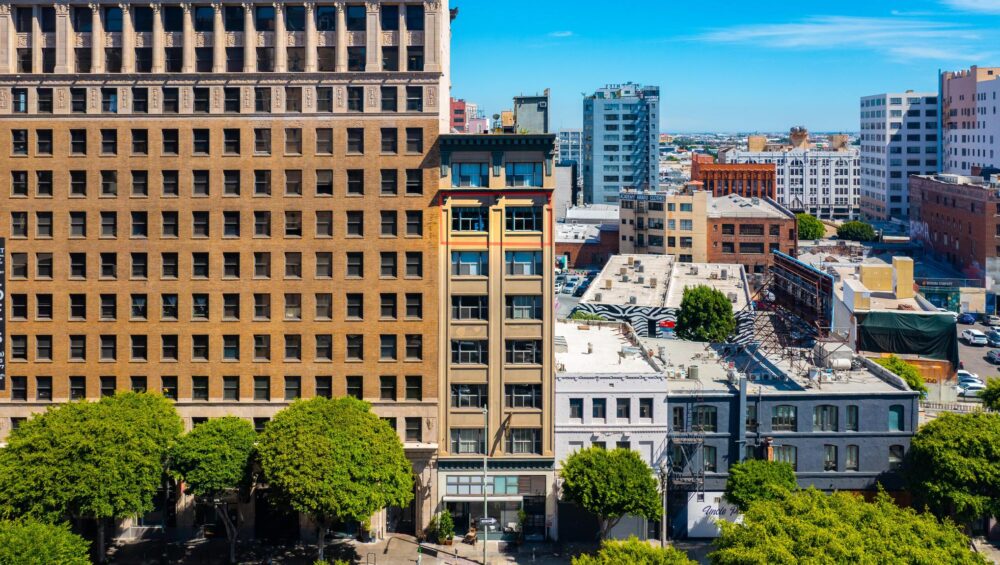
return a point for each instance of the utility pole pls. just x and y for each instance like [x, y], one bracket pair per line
[486, 455]
[663, 516]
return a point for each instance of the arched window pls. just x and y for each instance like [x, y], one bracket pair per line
[825, 418]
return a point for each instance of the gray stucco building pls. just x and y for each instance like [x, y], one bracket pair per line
[620, 141]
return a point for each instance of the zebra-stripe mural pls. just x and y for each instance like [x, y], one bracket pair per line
[649, 321]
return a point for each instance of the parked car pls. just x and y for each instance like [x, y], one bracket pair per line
[966, 318]
[581, 288]
[993, 321]
[972, 389]
[993, 356]
[571, 284]
[993, 338]
[974, 337]
[966, 376]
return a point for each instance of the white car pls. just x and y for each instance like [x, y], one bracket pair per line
[966, 376]
[993, 321]
[974, 337]
[972, 389]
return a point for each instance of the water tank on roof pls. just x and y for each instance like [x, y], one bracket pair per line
[692, 372]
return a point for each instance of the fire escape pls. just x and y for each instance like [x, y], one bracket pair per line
[685, 459]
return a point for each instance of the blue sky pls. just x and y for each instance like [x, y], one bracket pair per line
[724, 65]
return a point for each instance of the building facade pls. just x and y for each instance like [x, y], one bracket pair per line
[700, 228]
[230, 204]
[459, 116]
[823, 182]
[899, 138]
[531, 113]
[970, 126]
[749, 180]
[620, 141]
[955, 217]
[569, 147]
[495, 343]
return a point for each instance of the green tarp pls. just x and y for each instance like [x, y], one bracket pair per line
[927, 335]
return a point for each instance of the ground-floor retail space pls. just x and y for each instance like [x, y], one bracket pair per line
[520, 498]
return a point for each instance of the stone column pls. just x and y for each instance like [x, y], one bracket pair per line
[311, 38]
[6, 39]
[36, 39]
[373, 37]
[249, 39]
[402, 43]
[280, 39]
[159, 64]
[341, 65]
[187, 65]
[128, 39]
[64, 40]
[218, 39]
[432, 45]
[96, 39]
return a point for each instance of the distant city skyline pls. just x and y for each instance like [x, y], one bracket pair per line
[745, 67]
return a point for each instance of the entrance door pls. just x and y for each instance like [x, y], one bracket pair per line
[400, 520]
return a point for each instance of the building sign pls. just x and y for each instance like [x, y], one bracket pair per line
[3, 313]
[705, 510]
[642, 196]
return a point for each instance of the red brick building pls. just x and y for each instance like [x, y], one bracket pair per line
[458, 116]
[958, 218]
[586, 246]
[698, 160]
[749, 180]
[746, 231]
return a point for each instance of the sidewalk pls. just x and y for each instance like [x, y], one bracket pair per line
[403, 549]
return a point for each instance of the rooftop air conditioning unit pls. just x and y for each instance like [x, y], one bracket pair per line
[597, 296]
[640, 279]
[639, 268]
[724, 274]
[624, 278]
[631, 300]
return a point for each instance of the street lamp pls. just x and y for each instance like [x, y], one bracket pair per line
[486, 452]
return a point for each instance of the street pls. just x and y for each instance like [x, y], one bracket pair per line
[974, 357]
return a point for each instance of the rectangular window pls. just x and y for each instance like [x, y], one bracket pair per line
[468, 395]
[469, 352]
[465, 219]
[293, 388]
[523, 174]
[523, 263]
[468, 441]
[599, 408]
[524, 352]
[523, 396]
[469, 263]
[524, 441]
[524, 307]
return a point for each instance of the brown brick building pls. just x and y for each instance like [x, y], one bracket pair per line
[745, 231]
[233, 205]
[958, 218]
[744, 179]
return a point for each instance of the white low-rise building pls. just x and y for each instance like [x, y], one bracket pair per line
[611, 393]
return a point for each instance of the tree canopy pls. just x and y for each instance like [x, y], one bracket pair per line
[906, 371]
[88, 460]
[610, 484]
[586, 316]
[856, 231]
[215, 460]
[953, 466]
[705, 315]
[757, 479]
[634, 552]
[810, 227]
[991, 396]
[215, 456]
[809, 526]
[334, 458]
[30, 542]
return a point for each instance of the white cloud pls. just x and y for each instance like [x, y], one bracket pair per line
[986, 6]
[561, 34]
[896, 37]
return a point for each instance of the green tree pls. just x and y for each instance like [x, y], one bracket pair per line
[757, 479]
[634, 552]
[610, 484]
[809, 526]
[334, 459]
[856, 231]
[30, 542]
[991, 396]
[905, 371]
[706, 315]
[89, 460]
[953, 466]
[215, 460]
[810, 227]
